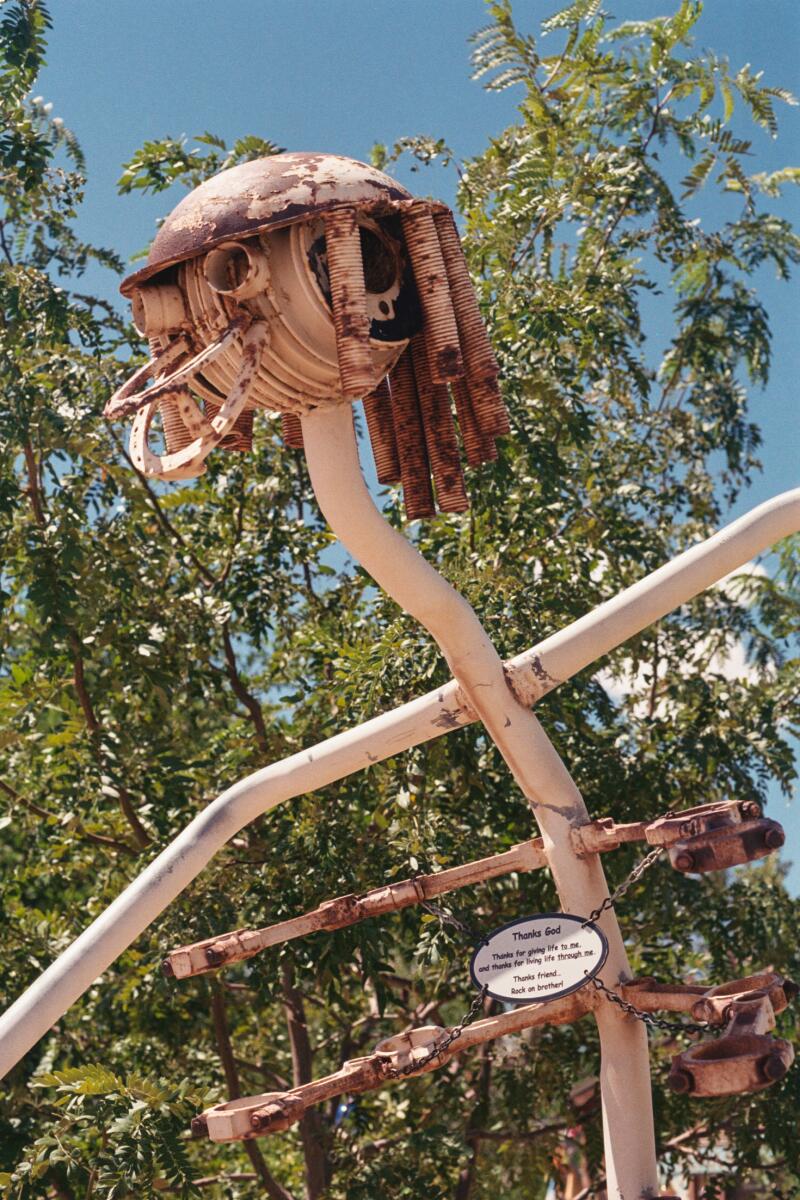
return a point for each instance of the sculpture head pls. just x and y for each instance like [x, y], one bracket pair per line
[300, 280]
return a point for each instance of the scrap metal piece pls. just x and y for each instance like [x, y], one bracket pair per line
[440, 434]
[414, 466]
[380, 423]
[349, 302]
[342, 911]
[292, 430]
[709, 837]
[236, 1120]
[440, 331]
[745, 1058]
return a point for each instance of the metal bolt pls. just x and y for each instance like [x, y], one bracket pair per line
[684, 861]
[167, 969]
[772, 1068]
[680, 1081]
[199, 1127]
[214, 957]
[774, 839]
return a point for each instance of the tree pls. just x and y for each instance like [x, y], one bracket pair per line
[161, 642]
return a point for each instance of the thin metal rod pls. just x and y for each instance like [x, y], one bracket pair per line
[534, 673]
[335, 473]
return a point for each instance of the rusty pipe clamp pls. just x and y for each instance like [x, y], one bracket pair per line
[709, 837]
[745, 1058]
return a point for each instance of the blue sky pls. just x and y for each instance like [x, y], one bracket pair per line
[341, 75]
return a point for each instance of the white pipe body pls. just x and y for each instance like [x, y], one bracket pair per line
[332, 456]
[556, 658]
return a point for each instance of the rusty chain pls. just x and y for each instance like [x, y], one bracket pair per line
[452, 1036]
[629, 1009]
[610, 901]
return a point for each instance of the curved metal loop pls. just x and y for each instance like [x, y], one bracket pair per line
[127, 399]
[188, 462]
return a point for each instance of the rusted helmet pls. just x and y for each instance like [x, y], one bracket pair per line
[298, 280]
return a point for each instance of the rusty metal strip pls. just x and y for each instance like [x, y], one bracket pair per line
[481, 365]
[414, 468]
[272, 1112]
[440, 434]
[349, 302]
[380, 423]
[479, 447]
[430, 275]
[292, 430]
[348, 910]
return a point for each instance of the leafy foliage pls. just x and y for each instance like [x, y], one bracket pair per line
[162, 642]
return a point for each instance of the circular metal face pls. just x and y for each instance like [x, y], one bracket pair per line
[263, 194]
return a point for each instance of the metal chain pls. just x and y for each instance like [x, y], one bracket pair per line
[636, 874]
[650, 1018]
[447, 1041]
[629, 1009]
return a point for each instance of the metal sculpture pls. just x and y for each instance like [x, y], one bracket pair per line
[297, 284]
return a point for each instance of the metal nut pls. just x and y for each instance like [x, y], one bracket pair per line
[214, 957]
[199, 1127]
[772, 1068]
[774, 838]
[684, 861]
[680, 1081]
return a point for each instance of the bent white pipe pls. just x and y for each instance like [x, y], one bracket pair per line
[556, 658]
[333, 466]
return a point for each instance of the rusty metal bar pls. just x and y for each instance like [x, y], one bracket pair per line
[481, 365]
[275, 1111]
[742, 1059]
[348, 910]
[479, 447]
[349, 302]
[440, 434]
[440, 331]
[380, 423]
[414, 466]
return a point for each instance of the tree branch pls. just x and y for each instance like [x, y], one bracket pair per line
[312, 1133]
[240, 691]
[37, 810]
[274, 1189]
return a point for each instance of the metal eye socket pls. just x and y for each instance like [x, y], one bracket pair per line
[239, 270]
[381, 262]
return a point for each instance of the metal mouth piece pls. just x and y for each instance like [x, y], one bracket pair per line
[368, 299]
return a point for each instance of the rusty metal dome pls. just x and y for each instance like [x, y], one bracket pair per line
[300, 280]
[266, 193]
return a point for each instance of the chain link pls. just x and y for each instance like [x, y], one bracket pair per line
[629, 1009]
[638, 871]
[439, 1047]
[648, 1018]
[446, 918]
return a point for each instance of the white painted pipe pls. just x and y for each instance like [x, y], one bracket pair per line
[332, 456]
[430, 716]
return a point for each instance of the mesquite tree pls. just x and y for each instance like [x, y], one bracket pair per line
[161, 642]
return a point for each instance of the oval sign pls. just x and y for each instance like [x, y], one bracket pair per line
[538, 958]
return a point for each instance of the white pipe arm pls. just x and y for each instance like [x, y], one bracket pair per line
[432, 715]
[331, 454]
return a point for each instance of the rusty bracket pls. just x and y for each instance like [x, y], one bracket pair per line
[251, 1116]
[710, 837]
[744, 1058]
[348, 910]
